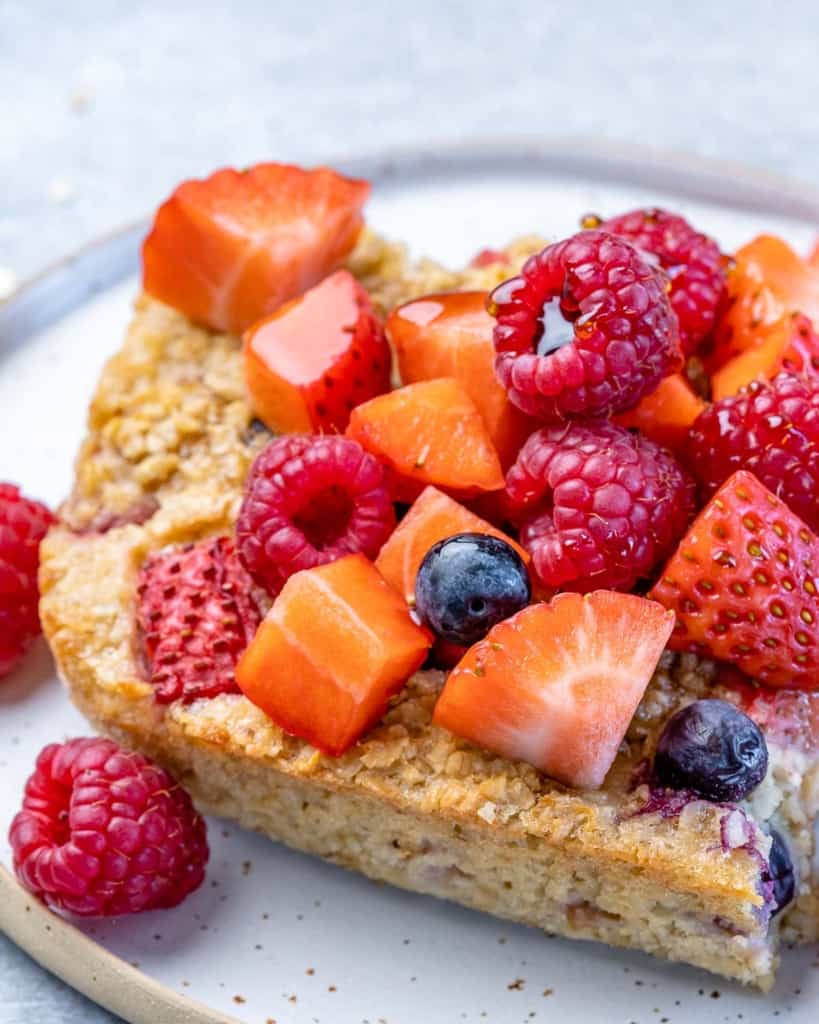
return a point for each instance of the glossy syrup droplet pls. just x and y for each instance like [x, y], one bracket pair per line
[590, 221]
[557, 329]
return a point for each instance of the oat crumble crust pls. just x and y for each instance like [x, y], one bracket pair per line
[170, 440]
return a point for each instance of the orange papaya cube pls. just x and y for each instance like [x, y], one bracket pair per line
[666, 415]
[314, 359]
[767, 282]
[433, 517]
[429, 433]
[558, 684]
[450, 335]
[791, 344]
[336, 645]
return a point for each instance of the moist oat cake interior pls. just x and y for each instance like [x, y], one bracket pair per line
[170, 440]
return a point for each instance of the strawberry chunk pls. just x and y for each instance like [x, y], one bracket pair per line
[336, 645]
[429, 433]
[791, 344]
[768, 281]
[450, 335]
[558, 684]
[316, 358]
[666, 415]
[232, 248]
[743, 585]
[433, 517]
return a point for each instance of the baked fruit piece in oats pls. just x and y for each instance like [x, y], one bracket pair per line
[452, 805]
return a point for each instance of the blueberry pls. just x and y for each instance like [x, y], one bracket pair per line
[467, 584]
[782, 872]
[712, 748]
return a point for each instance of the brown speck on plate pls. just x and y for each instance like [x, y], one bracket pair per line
[516, 985]
[246, 867]
[310, 970]
[239, 999]
[332, 988]
[548, 991]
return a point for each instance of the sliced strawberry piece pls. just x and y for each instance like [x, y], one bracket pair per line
[450, 335]
[743, 584]
[429, 433]
[768, 281]
[231, 248]
[336, 645]
[666, 415]
[433, 517]
[791, 344]
[309, 364]
[558, 684]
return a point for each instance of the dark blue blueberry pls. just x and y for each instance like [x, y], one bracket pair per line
[782, 873]
[712, 748]
[467, 584]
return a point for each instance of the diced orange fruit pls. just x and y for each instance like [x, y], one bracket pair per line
[450, 335]
[336, 645]
[558, 684]
[813, 259]
[768, 282]
[429, 433]
[433, 517]
[316, 358]
[666, 415]
[232, 248]
[789, 344]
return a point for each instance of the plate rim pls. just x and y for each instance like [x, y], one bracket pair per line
[53, 292]
[36, 302]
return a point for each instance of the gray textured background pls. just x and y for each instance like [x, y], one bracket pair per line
[105, 104]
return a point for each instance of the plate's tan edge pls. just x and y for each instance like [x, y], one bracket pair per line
[61, 948]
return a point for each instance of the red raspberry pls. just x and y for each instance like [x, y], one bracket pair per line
[196, 614]
[601, 507]
[692, 260]
[308, 501]
[103, 831]
[585, 330]
[23, 524]
[770, 429]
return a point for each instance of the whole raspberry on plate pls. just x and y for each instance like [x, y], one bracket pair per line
[585, 330]
[103, 831]
[23, 524]
[693, 262]
[771, 430]
[743, 585]
[600, 507]
[196, 614]
[308, 501]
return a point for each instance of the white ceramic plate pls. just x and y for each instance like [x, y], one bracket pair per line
[275, 935]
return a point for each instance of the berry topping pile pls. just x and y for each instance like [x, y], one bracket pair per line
[23, 524]
[308, 501]
[770, 430]
[693, 262]
[586, 330]
[196, 613]
[713, 749]
[104, 831]
[600, 507]
[467, 584]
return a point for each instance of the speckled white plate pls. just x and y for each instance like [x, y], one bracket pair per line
[275, 936]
